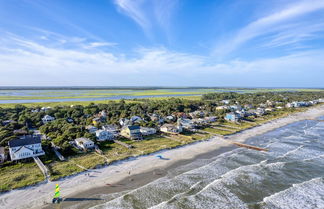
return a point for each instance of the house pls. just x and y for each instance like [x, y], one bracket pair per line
[248, 106]
[197, 114]
[225, 101]
[47, 118]
[7, 122]
[187, 123]
[136, 119]
[84, 143]
[222, 107]
[25, 147]
[69, 120]
[210, 119]
[170, 118]
[2, 155]
[131, 132]
[103, 114]
[91, 129]
[179, 115]
[147, 131]
[235, 107]
[260, 111]
[169, 128]
[155, 117]
[233, 117]
[96, 120]
[199, 121]
[44, 109]
[103, 135]
[111, 128]
[269, 109]
[125, 122]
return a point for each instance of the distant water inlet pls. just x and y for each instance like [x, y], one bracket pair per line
[290, 175]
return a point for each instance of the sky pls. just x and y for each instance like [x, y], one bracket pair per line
[234, 43]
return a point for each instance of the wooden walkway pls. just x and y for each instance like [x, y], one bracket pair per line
[57, 153]
[42, 167]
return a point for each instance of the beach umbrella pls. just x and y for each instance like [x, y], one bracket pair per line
[57, 195]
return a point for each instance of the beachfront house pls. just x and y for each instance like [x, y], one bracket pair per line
[169, 128]
[2, 155]
[111, 128]
[25, 147]
[147, 131]
[187, 123]
[91, 129]
[131, 132]
[233, 117]
[47, 119]
[84, 143]
[103, 135]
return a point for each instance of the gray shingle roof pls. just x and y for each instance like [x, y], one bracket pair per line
[25, 140]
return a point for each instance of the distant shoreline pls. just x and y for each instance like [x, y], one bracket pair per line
[38, 195]
[141, 87]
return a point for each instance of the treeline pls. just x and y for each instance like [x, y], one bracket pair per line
[258, 98]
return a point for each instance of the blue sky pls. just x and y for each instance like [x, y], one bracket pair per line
[253, 43]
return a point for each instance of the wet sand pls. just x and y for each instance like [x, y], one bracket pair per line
[92, 197]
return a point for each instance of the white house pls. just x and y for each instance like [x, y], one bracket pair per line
[103, 135]
[47, 118]
[91, 129]
[45, 108]
[84, 143]
[169, 128]
[147, 131]
[25, 147]
[2, 155]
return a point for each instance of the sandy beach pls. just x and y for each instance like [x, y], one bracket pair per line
[40, 195]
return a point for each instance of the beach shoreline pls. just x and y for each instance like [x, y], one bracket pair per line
[40, 195]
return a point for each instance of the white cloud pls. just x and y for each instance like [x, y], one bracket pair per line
[273, 23]
[26, 62]
[148, 13]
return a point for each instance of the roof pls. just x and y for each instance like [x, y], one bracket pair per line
[133, 127]
[84, 140]
[25, 140]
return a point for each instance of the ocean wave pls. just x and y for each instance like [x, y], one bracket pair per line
[308, 194]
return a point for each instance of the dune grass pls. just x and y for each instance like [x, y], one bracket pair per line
[19, 175]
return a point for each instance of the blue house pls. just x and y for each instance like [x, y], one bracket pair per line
[233, 117]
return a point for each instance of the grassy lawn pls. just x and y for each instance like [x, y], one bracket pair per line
[19, 175]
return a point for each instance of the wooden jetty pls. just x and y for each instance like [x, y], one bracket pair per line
[249, 146]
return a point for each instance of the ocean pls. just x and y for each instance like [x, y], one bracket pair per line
[290, 175]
